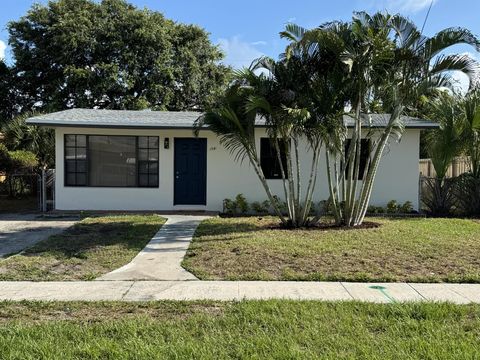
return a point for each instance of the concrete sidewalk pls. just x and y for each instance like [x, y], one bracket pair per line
[238, 290]
[162, 257]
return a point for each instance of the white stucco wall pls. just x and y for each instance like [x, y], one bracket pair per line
[397, 176]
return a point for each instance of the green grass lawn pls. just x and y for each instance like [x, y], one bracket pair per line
[93, 247]
[423, 250]
[242, 330]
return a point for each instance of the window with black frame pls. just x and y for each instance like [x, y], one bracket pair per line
[147, 161]
[111, 161]
[269, 159]
[76, 160]
[364, 155]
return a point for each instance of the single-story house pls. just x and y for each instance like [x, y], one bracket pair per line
[151, 160]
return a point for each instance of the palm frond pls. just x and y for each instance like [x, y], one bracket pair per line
[463, 63]
[293, 32]
[449, 37]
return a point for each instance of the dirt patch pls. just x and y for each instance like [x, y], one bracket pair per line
[328, 227]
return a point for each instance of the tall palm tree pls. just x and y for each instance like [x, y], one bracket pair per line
[471, 130]
[235, 126]
[390, 64]
[280, 96]
[444, 144]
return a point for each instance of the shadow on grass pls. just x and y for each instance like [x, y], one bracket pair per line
[236, 225]
[239, 225]
[84, 237]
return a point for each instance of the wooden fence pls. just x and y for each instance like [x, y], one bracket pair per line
[459, 166]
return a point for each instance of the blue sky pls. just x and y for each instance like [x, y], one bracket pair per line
[246, 29]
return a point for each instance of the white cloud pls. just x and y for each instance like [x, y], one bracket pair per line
[3, 46]
[405, 6]
[462, 81]
[261, 42]
[239, 53]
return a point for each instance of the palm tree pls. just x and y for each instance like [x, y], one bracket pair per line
[444, 144]
[280, 96]
[471, 130]
[390, 64]
[38, 140]
[235, 126]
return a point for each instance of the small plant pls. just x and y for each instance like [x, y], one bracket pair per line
[261, 207]
[380, 210]
[229, 206]
[237, 206]
[392, 207]
[406, 208]
[241, 203]
[282, 205]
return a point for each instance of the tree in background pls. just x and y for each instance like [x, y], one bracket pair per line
[14, 164]
[109, 54]
[7, 94]
[35, 139]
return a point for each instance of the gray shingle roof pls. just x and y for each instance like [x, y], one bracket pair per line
[131, 119]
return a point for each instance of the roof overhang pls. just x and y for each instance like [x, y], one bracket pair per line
[130, 119]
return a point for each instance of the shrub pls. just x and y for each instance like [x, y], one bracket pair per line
[467, 194]
[13, 163]
[392, 207]
[241, 203]
[237, 206]
[282, 205]
[5, 159]
[229, 206]
[406, 208]
[22, 160]
[438, 196]
[16, 161]
[261, 207]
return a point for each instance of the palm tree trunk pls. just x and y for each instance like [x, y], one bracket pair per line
[284, 179]
[331, 188]
[299, 184]
[258, 170]
[291, 184]
[358, 144]
[365, 197]
[311, 183]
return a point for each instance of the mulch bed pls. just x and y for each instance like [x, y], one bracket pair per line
[328, 227]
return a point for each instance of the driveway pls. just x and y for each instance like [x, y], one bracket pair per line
[19, 231]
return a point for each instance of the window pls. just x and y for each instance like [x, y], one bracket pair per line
[269, 159]
[148, 161]
[76, 160]
[364, 155]
[111, 161]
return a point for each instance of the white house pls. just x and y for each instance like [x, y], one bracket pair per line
[151, 160]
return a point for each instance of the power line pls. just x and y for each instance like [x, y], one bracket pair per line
[426, 17]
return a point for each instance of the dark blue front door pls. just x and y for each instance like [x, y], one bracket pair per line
[190, 168]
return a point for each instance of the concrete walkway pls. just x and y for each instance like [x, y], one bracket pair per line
[19, 231]
[161, 258]
[238, 290]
